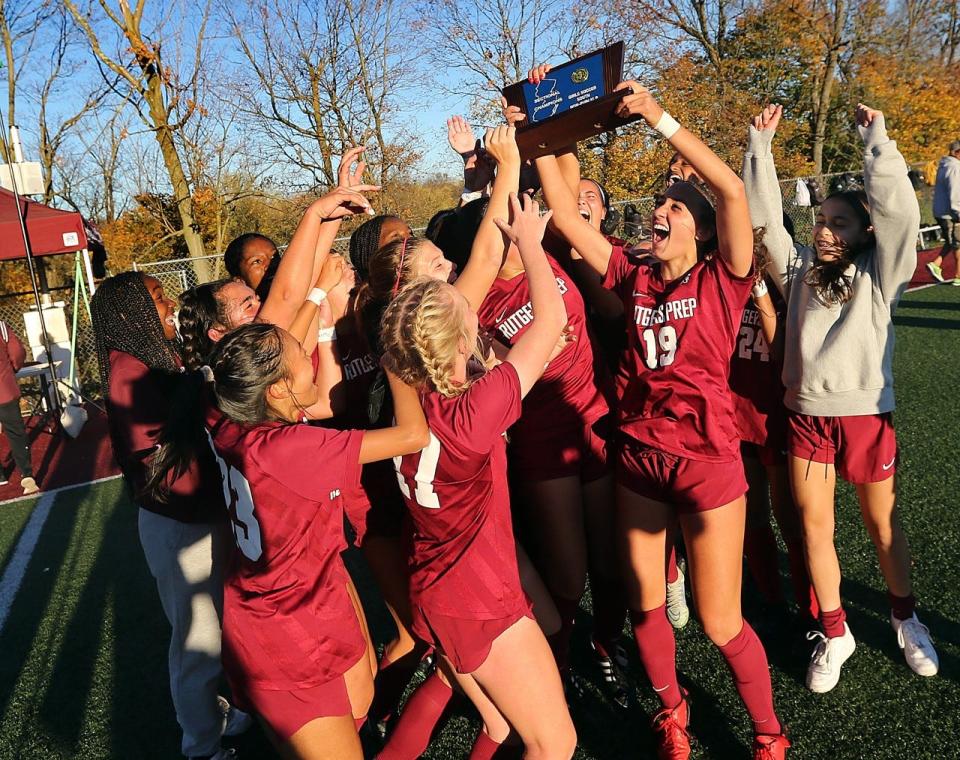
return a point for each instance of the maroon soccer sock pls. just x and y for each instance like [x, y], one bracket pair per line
[560, 641]
[673, 572]
[485, 748]
[800, 582]
[390, 683]
[748, 663]
[419, 718]
[658, 652]
[832, 622]
[760, 548]
[903, 607]
[609, 610]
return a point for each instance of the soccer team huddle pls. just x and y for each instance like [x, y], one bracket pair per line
[499, 411]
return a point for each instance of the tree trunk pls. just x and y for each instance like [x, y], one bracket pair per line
[823, 90]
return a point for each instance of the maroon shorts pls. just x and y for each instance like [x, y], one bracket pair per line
[687, 484]
[768, 455]
[578, 453]
[286, 712]
[863, 447]
[467, 642]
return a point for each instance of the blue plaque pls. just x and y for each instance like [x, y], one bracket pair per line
[565, 88]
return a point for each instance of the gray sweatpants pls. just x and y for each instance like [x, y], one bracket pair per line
[187, 559]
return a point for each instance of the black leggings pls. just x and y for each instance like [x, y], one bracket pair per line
[12, 423]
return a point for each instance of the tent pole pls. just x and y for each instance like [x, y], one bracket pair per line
[88, 268]
[31, 267]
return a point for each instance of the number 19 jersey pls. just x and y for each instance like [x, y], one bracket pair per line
[673, 382]
[464, 561]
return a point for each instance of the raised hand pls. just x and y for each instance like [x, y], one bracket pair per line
[528, 225]
[511, 114]
[330, 273]
[460, 136]
[500, 144]
[769, 118]
[866, 115]
[347, 177]
[343, 201]
[538, 73]
[639, 103]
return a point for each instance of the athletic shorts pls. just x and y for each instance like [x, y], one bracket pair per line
[767, 455]
[863, 447]
[688, 484]
[578, 453]
[950, 230]
[467, 642]
[286, 712]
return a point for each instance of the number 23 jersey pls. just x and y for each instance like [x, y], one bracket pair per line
[673, 380]
[464, 561]
[289, 622]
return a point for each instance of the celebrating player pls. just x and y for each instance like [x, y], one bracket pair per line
[679, 455]
[839, 376]
[465, 585]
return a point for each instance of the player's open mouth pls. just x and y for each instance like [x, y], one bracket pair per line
[659, 233]
[585, 213]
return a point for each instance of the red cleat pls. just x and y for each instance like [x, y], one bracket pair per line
[670, 727]
[770, 747]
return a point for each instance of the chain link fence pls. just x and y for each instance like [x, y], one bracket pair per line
[178, 275]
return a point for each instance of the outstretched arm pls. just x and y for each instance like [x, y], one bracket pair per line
[490, 245]
[408, 434]
[734, 231]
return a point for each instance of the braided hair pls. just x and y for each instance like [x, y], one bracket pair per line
[245, 363]
[423, 329]
[200, 309]
[125, 319]
[365, 241]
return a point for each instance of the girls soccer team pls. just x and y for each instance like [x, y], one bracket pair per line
[502, 414]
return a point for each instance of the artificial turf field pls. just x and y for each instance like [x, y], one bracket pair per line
[83, 649]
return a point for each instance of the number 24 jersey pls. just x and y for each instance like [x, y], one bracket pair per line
[673, 381]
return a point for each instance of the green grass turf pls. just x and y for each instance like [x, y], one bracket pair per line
[83, 654]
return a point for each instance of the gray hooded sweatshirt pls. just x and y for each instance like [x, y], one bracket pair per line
[946, 193]
[839, 358]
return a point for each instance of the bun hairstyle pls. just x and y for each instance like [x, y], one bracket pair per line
[422, 333]
[829, 278]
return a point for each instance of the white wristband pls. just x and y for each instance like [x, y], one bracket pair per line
[317, 296]
[666, 125]
[760, 289]
[326, 335]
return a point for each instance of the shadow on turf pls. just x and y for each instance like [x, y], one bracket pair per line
[930, 305]
[933, 323]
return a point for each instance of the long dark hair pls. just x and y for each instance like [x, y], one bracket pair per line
[200, 309]
[125, 319]
[829, 279]
[244, 364]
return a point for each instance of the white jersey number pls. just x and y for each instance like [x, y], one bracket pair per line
[236, 492]
[660, 346]
[424, 494]
[752, 342]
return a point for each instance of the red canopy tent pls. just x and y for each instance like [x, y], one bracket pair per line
[51, 230]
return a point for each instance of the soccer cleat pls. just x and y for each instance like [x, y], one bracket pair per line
[914, 639]
[29, 486]
[767, 747]
[935, 272]
[678, 613]
[956, 282]
[614, 684]
[670, 728]
[828, 657]
[235, 721]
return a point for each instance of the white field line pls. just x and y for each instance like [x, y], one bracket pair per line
[60, 490]
[17, 566]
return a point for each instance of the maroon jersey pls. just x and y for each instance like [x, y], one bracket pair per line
[673, 382]
[464, 560]
[755, 379]
[570, 393]
[288, 620]
[138, 407]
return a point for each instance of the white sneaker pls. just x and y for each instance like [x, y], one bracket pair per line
[914, 639]
[29, 486]
[828, 657]
[678, 613]
[235, 721]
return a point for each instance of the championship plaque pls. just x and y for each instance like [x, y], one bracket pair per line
[576, 100]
